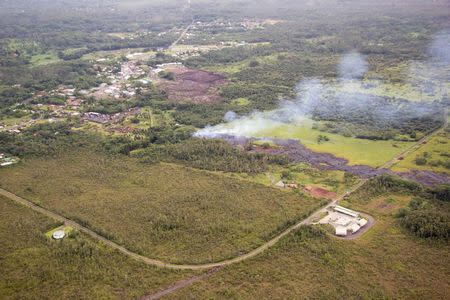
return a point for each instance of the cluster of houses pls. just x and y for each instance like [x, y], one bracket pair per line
[346, 222]
[114, 118]
[246, 24]
[119, 86]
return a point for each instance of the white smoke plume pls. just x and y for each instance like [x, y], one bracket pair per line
[352, 66]
[433, 76]
[440, 48]
[230, 116]
[325, 98]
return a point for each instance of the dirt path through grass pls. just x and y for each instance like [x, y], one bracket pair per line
[260, 249]
[181, 284]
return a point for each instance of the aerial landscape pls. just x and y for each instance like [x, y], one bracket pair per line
[224, 149]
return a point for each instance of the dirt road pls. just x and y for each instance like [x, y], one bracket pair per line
[387, 165]
[180, 284]
[370, 223]
[260, 249]
[142, 258]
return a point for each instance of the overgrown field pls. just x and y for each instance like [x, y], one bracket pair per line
[164, 211]
[387, 262]
[434, 156]
[303, 174]
[35, 267]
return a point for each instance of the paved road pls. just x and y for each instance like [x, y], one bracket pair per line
[260, 249]
[142, 258]
[370, 223]
[387, 165]
[182, 35]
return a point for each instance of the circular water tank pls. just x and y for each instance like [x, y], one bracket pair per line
[59, 234]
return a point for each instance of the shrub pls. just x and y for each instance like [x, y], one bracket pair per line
[322, 138]
[428, 223]
[167, 75]
[441, 193]
[420, 160]
[253, 64]
[308, 232]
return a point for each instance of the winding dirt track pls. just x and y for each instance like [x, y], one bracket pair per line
[260, 249]
[142, 258]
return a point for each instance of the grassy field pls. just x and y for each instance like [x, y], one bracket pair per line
[385, 263]
[113, 54]
[415, 81]
[36, 267]
[397, 90]
[356, 151]
[15, 121]
[233, 68]
[163, 211]
[44, 59]
[437, 149]
[240, 101]
[302, 174]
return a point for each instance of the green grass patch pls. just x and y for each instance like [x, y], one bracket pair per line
[15, 121]
[44, 59]
[356, 151]
[302, 174]
[436, 150]
[67, 231]
[239, 66]
[240, 101]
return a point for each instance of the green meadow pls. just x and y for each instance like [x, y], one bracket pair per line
[44, 59]
[356, 151]
[435, 154]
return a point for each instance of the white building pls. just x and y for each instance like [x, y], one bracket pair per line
[59, 234]
[346, 211]
[341, 231]
[344, 220]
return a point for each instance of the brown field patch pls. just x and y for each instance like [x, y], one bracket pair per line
[195, 86]
[319, 192]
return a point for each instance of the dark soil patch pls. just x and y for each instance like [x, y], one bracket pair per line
[195, 86]
[428, 178]
[325, 161]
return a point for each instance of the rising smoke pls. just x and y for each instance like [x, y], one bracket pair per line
[335, 101]
[352, 66]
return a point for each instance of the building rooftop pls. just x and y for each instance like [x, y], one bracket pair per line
[59, 234]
